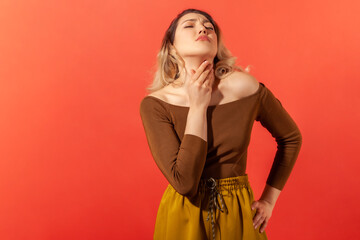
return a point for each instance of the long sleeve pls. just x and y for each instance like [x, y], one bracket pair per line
[181, 162]
[273, 116]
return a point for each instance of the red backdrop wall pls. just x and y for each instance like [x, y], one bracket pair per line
[74, 161]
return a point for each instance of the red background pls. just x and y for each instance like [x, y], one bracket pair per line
[74, 161]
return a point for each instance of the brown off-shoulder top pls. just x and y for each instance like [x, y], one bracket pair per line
[185, 159]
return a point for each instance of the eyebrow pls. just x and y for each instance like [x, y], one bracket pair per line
[192, 19]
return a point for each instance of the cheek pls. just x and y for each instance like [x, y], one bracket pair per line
[186, 39]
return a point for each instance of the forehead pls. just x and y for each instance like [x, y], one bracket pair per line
[193, 17]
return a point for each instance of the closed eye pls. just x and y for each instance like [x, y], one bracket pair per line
[205, 27]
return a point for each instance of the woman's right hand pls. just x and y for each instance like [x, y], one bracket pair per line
[199, 86]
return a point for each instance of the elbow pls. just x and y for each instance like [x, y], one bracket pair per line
[294, 139]
[291, 143]
[298, 138]
[297, 142]
[191, 191]
[186, 189]
[184, 185]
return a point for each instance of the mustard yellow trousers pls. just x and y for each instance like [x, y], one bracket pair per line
[220, 210]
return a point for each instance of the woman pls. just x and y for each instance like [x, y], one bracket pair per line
[198, 119]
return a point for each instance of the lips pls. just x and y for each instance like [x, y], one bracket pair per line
[202, 37]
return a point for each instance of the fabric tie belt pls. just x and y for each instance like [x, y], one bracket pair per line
[214, 195]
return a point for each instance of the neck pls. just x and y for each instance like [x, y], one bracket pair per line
[192, 63]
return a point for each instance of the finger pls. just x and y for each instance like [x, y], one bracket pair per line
[192, 73]
[208, 79]
[261, 220]
[260, 216]
[206, 70]
[253, 205]
[263, 226]
[204, 76]
[257, 218]
[211, 78]
[201, 69]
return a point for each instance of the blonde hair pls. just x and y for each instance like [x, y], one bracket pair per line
[168, 60]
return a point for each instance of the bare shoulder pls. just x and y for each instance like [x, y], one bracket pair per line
[161, 93]
[169, 95]
[156, 94]
[242, 84]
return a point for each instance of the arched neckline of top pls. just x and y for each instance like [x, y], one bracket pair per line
[223, 104]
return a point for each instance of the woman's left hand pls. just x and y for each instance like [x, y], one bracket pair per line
[263, 213]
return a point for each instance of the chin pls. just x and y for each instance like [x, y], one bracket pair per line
[203, 52]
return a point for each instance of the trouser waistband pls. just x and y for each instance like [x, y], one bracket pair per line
[215, 188]
[223, 184]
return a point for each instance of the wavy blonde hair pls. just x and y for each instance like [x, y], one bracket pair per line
[168, 60]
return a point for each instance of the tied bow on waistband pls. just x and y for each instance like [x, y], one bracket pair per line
[214, 193]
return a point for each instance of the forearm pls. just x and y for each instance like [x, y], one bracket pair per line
[197, 122]
[270, 194]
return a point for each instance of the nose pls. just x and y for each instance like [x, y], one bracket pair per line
[202, 28]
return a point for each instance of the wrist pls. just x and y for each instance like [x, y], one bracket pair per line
[270, 194]
[196, 108]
